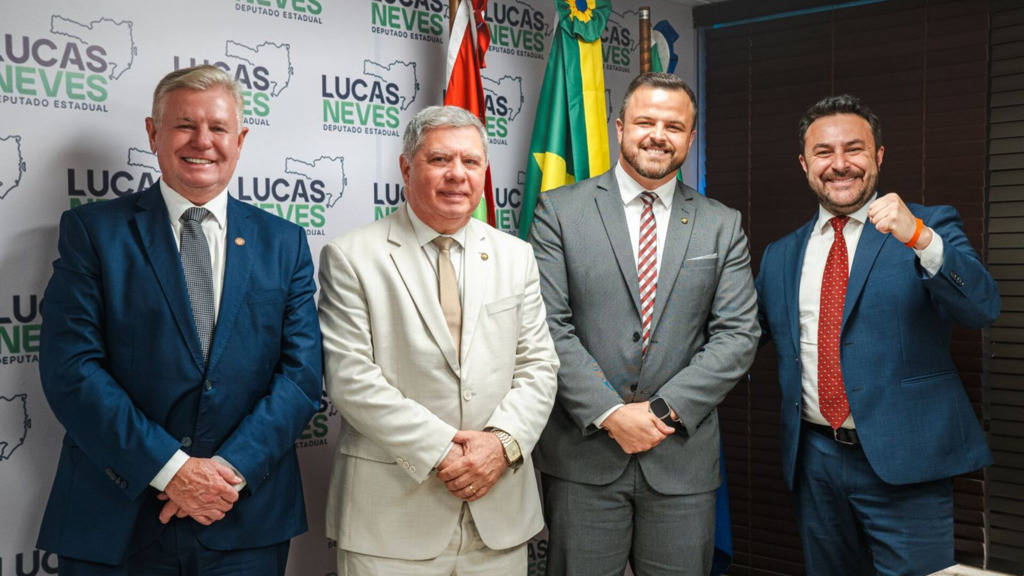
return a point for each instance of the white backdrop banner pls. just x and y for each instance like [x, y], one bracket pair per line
[330, 85]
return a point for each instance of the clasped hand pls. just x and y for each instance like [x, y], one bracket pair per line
[473, 465]
[635, 428]
[203, 489]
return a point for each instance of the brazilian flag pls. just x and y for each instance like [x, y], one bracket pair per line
[570, 133]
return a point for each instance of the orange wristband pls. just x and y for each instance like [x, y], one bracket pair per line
[917, 234]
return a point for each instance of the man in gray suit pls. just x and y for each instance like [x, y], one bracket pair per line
[651, 304]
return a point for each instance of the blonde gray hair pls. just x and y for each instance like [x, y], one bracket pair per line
[203, 77]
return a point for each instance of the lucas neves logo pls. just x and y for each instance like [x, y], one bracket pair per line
[70, 68]
[303, 194]
[423, 20]
[517, 28]
[370, 103]
[264, 70]
[296, 10]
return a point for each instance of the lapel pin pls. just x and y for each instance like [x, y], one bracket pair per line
[685, 220]
[239, 241]
[484, 256]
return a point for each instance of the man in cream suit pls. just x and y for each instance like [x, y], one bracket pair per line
[438, 356]
[652, 308]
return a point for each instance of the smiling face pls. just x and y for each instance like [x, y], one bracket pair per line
[444, 178]
[655, 134]
[197, 140]
[841, 162]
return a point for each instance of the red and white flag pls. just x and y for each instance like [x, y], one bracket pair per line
[469, 40]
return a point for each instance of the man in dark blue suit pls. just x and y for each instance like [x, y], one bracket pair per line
[180, 350]
[860, 302]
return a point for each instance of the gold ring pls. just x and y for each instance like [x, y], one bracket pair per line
[471, 489]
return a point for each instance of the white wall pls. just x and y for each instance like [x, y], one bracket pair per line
[76, 80]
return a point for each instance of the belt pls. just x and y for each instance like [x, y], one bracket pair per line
[846, 436]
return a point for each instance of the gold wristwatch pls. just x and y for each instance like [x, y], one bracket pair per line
[513, 455]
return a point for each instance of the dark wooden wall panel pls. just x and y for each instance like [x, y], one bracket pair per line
[923, 67]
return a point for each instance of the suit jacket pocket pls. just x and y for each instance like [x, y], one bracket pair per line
[355, 444]
[505, 304]
[709, 261]
[934, 378]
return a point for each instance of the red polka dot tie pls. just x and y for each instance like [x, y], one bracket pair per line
[831, 393]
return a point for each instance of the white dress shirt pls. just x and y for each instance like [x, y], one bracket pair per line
[633, 206]
[818, 246]
[425, 237]
[215, 228]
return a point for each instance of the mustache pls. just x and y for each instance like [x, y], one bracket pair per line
[651, 145]
[838, 175]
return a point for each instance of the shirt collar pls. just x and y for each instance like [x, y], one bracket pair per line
[860, 216]
[425, 234]
[631, 189]
[177, 204]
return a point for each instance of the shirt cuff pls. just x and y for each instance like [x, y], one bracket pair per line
[933, 256]
[600, 419]
[164, 476]
[241, 485]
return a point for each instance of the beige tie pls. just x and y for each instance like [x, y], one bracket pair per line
[448, 289]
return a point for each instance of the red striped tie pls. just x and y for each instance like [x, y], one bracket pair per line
[831, 393]
[647, 264]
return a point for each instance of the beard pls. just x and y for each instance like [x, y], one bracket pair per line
[837, 205]
[650, 168]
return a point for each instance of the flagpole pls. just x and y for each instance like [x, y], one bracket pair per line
[645, 38]
[453, 7]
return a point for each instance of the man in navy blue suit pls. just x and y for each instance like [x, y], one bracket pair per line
[180, 350]
[860, 302]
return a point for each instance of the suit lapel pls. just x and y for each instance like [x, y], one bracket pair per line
[677, 240]
[476, 281]
[408, 258]
[613, 216]
[868, 247]
[793, 264]
[158, 242]
[238, 263]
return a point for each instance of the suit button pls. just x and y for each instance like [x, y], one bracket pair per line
[186, 441]
[467, 395]
[207, 385]
[412, 469]
[636, 336]
[634, 387]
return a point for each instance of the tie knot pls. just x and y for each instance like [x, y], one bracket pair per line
[838, 223]
[648, 198]
[195, 214]
[444, 243]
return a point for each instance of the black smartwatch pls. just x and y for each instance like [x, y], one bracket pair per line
[661, 410]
